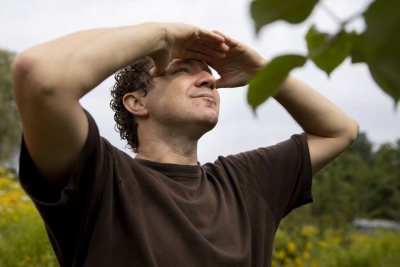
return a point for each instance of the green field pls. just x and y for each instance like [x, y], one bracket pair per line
[23, 240]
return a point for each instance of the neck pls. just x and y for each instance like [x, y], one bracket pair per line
[167, 147]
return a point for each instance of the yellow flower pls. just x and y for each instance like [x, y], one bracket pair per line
[281, 254]
[298, 262]
[306, 255]
[308, 230]
[291, 247]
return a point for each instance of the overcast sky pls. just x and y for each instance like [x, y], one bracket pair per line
[24, 23]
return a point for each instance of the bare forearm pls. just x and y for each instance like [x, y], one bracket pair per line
[49, 79]
[314, 113]
[76, 63]
[329, 130]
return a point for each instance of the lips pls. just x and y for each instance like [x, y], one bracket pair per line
[208, 97]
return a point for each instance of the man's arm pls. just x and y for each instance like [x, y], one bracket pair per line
[49, 80]
[329, 130]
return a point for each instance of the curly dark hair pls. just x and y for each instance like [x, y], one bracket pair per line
[130, 79]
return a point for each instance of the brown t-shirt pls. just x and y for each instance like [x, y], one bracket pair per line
[120, 211]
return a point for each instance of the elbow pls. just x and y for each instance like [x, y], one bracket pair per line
[352, 132]
[28, 79]
[21, 67]
[21, 70]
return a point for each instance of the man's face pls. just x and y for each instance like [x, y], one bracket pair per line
[185, 96]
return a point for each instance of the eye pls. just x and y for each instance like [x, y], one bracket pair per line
[181, 70]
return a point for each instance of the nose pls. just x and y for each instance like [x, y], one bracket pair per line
[205, 79]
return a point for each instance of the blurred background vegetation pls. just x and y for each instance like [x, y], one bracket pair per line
[376, 46]
[364, 182]
[10, 127]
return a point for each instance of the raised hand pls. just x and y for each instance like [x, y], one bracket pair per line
[239, 64]
[186, 41]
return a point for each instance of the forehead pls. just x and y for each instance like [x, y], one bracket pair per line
[191, 62]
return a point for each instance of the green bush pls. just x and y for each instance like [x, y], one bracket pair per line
[23, 239]
[24, 243]
[366, 250]
[308, 246]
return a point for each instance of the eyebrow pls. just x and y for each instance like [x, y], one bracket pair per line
[192, 62]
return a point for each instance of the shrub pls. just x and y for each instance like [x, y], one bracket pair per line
[23, 239]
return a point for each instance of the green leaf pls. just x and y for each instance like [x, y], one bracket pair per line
[358, 53]
[268, 81]
[292, 11]
[328, 51]
[381, 45]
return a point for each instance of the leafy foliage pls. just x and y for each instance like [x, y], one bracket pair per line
[265, 12]
[378, 46]
[328, 51]
[10, 129]
[308, 246]
[272, 77]
[23, 238]
[362, 182]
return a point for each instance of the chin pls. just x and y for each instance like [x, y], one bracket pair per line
[210, 124]
[205, 125]
[211, 119]
[203, 121]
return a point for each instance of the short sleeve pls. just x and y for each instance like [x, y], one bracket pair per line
[280, 173]
[36, 187]
[67, 213]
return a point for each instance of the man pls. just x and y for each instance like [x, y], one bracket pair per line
[103, 208]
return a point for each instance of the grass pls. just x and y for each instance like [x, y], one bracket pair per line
[24, 243]
[23, 239]
[308, 247]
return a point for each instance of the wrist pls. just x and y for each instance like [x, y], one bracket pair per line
[158, 32]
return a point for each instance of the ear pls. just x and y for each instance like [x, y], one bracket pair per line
[135, 104]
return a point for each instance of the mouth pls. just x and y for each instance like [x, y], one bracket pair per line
[207, 97]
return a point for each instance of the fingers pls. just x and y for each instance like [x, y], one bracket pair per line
[214, 52]
[200, 56]
[208, 43]
[220, 83]
[211, 35]
[229, 83]
[155, 72]
[191, 43]
[203, 44]
[159, 66]
[228, 40]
